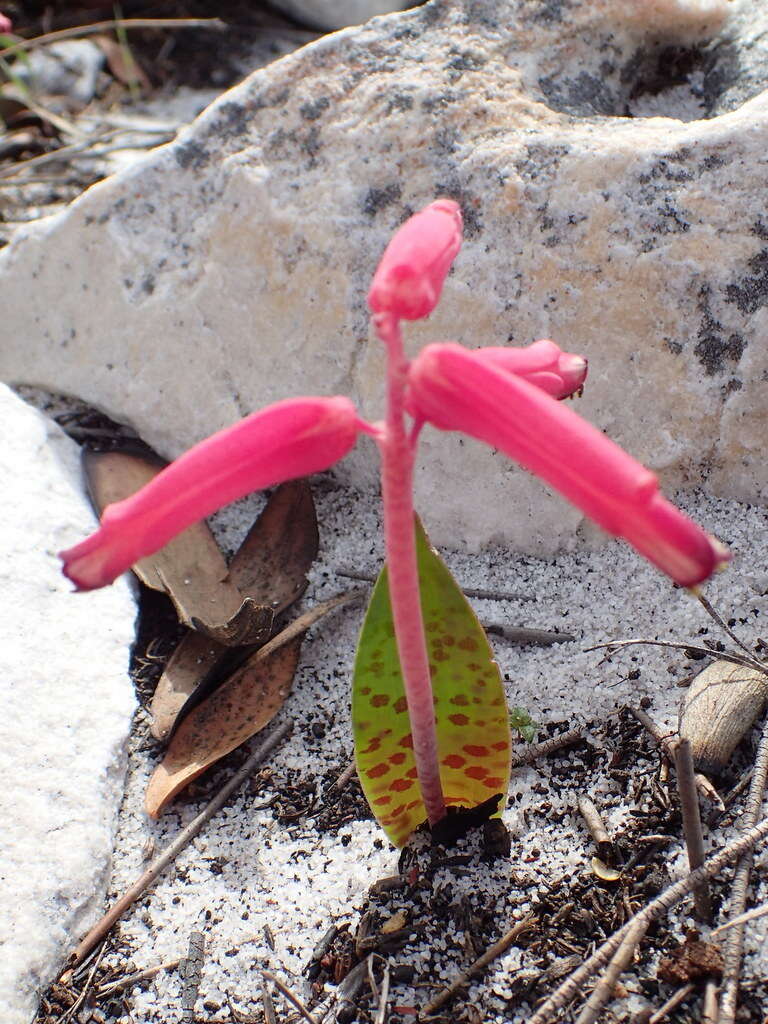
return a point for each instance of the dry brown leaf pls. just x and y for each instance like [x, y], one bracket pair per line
[238, 709]
[271, 564]
[235, 711]
[122, 62]
[190, 568]
[269, 567]
[694, 959]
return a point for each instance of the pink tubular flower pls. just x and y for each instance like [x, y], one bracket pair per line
[289, 439]
[456, 389]
[6, 25]
[542, 363]
[411, 273]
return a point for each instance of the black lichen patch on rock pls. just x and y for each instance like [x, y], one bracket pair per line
[715, 345]
[379, 198]
[751, 292]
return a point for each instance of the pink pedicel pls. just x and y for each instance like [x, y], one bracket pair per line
[454, 389]
[290, 439]
[410, 275]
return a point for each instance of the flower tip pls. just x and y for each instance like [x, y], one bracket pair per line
[410, 276]
[6, 25]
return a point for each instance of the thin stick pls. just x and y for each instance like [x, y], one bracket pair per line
[737, 659]
[289, 996]
[572, 985]
[596, 826]
[105, 26]
[536, 750]
[703, 785]
[98, 932]
[672, 1003]
[723, 625]
[620, 961]
[749, 915]
[129, 980]
[381, 1014]
[193, 972]
[523, 636]
[694, 837]
[270, 1017]
[86, 987]
[481, 593]
[710, 1011]
[734, 944]
[480, 964]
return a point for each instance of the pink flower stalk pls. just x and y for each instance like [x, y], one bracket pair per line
[456, 389]
[289, 439]
[411, 273]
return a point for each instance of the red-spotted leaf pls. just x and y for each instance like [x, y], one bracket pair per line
[471, 715]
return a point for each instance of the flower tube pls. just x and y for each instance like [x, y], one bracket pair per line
[455, 389]
[286, 440]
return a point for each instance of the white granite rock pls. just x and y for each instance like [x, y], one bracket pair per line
[68, 704]
[230, 268]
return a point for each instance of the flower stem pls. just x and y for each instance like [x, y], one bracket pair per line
[398, 457]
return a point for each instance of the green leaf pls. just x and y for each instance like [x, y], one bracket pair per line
[522, 723]
[471, 716]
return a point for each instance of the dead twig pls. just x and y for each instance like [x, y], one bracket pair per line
[622, 958]
[193, 972]
[522, 636]
[672, 1003]
[270, 1017]
[734, 944]
[100, 930]
[749, 915]
[594, 823]
[293, 999]
[481, 593]
[536, 750]
[94, 28]
[381, 1014]
[480, 964]
[694, 837]
[667, 744]
[710, 1011]
[129, 980]
[737, 659]
[705, 604]
[572, 985]
[86, 987]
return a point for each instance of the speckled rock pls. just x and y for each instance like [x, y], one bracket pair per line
[610, 160]
[67, 707]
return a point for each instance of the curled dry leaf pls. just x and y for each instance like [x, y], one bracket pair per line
[270, 567]
[602, 871]
[234, 712]
[720, 706]
[191, 568]
[241, 707]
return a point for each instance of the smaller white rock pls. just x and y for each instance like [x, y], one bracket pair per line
[67, 708]
[69, 68]
[333, 14]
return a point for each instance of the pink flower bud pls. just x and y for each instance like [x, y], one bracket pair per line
[290, 439]
[410, 275]
[6, 25]
[542, 363]
[454, 389]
